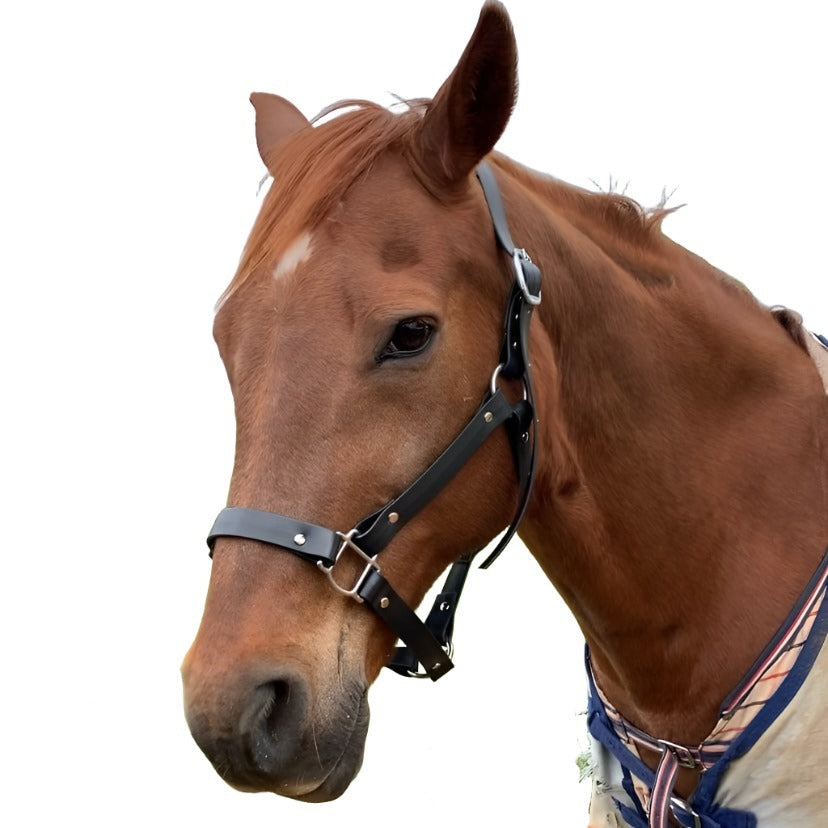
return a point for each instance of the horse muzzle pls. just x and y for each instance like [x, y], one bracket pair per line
[269, 732]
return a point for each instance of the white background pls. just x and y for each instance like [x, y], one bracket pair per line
[128, 178]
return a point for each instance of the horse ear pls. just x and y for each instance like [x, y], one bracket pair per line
[471, 109]
[276, 118]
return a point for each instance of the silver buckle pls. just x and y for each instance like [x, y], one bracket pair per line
[448, 649]
[681, 804]
[495, 377]
[684, 756]
[519, 256]
[348, 543]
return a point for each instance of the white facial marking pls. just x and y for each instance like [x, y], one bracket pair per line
[296, 253]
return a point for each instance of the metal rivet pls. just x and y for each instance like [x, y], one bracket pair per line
[393, 517]
[445, 605]
[299, 539]
[488, 416]
[384, 602]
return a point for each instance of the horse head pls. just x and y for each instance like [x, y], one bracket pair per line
[359, 335]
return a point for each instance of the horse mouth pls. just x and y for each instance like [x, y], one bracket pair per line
[320, 769]
[347, 765]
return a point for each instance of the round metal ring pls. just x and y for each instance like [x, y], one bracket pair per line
[495, 375]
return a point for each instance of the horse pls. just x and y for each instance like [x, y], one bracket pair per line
[408, 384]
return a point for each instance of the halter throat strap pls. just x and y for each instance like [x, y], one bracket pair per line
[426, 643]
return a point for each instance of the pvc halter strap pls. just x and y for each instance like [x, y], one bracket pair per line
[427, 643]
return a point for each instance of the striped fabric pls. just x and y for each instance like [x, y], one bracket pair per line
[741, 707]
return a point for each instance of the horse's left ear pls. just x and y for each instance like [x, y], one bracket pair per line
[276, 118]
[471, 109]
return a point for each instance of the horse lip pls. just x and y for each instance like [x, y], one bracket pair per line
[347, 765]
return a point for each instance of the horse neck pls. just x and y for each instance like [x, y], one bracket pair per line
[680, 505]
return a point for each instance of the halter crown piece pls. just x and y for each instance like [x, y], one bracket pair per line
[426, 643]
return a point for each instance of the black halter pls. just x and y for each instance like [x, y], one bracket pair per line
[427, 643]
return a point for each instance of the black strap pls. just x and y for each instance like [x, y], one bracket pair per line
[307, 540]
[493, 199]
[427, 649]
[376, 531]
[525, 457]
[439, 622]
[514, 354]
[528, 275]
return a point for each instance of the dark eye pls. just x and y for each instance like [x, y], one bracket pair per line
[410, 337]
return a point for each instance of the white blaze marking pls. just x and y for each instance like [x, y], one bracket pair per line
[296, 253]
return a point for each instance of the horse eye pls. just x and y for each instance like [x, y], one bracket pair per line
[410, 337]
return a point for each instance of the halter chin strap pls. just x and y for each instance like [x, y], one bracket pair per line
[425, 643]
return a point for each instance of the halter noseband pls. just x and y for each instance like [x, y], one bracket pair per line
[427, 643]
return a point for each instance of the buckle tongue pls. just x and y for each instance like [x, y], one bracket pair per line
[348, 543]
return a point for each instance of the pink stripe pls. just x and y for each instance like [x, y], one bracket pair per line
[662, 789]
[804, 613]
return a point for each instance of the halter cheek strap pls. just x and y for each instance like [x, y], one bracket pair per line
[427, 643]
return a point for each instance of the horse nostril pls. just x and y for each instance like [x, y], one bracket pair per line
[277, 700]
[273, 723]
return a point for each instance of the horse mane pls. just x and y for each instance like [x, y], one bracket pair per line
[628, 233]
[629, 219]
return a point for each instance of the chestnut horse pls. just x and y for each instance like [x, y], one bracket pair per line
[677, 440]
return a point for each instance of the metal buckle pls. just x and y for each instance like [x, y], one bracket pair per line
[680, 804]
[520, 256]
[683, 754]
[448, 649]
[347, 542]
[496, 375]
